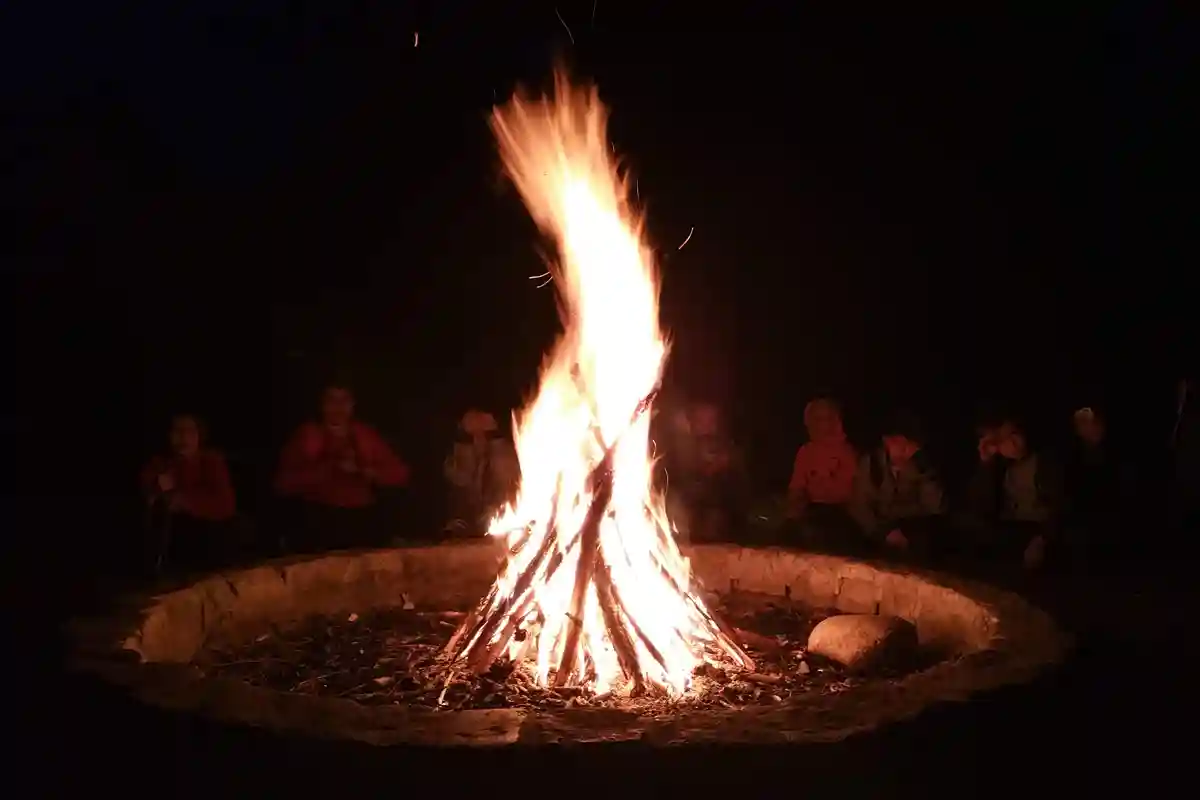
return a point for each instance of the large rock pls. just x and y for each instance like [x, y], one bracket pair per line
[864, 641]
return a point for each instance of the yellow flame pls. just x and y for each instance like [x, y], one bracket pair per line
[610, 356]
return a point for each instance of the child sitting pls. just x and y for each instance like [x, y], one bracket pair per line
[482, 473]
[1013, 497]
[822, 480]
[898, 499]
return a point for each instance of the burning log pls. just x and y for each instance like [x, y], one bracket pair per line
[589, 543]
[628, 613]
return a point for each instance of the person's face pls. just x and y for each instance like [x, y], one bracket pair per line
[822, 421]
[900, 449]
[337, 407]
[185, 436]
[1011, 443]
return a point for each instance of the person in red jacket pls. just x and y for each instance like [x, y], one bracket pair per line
[190, 499]
[334, 468]
[823, 478]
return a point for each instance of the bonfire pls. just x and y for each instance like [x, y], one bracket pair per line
[594, 592]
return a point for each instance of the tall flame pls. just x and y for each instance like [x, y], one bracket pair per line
[593, 387]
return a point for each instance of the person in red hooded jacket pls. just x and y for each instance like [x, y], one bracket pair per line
[333, 467]
[190, 490]
[822, 480]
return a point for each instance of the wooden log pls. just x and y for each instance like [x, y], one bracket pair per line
[589, 553]
[479, 630]
[488, 616]
[726, 638]
[617, 632]
[498, 615]
[470, 626]
[484, 658]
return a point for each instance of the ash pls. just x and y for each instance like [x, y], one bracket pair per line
[394, 656]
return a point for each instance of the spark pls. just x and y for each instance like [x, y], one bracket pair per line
[688, 239]
[637, 188]
[416, 38]
[570, 35]
[594, 12]
[547, 275]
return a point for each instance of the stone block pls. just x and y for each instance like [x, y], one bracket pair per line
[857, 596]
[819, 588]
[899, 597]
[864, 641]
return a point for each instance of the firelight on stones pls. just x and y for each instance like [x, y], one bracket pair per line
[595, 592]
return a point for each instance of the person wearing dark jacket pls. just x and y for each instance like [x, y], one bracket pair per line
[1014, 498]
[1092, 489]
[898, 500]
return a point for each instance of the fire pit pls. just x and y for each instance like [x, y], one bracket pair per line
[588, 622]
[165, 648]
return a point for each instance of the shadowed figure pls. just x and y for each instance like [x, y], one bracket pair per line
[1014, 499]
[482, 474]
[190, 502]
[898, 499]
[706, 478]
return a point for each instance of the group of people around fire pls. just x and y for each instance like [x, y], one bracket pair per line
[1018, 506]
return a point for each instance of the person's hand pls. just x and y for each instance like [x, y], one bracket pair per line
[988, 447]
[348, 465]
[166, 482]
[1035, 553]
[897, 540]
[370, 473]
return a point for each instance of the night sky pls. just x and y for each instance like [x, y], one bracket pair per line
[219, 208]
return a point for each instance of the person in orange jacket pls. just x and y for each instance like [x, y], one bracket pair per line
[822, 481]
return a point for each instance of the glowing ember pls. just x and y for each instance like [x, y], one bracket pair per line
[594, 592]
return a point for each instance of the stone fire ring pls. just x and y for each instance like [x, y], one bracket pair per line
[998, 639]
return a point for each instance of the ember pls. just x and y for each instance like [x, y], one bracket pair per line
[391, 656]
[595, 592]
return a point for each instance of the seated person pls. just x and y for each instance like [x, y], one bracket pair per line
[190, 500]
[897, 499]
[482, 472]
[822, 477]
[1092, 487]
[333, 467]
[1013, 497]
[706, 493]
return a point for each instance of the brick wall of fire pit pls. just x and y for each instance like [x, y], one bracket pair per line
[999, 639]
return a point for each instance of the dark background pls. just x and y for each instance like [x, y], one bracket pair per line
[218, 205]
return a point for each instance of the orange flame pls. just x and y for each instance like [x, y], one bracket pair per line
[608, 359]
